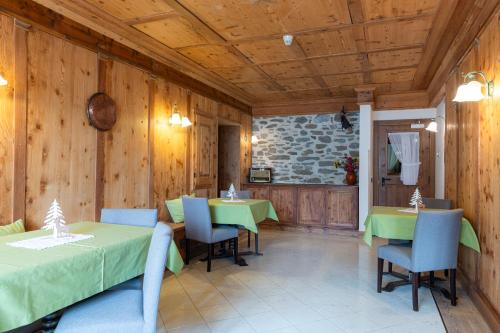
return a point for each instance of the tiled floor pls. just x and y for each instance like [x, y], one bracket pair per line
[303, 283]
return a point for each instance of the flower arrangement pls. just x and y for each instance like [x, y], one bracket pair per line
[348, 163]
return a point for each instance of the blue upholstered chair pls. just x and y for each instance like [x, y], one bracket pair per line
[133, 216]
[241, 195]
[436, 203]
[198, 226]
[124, 310]
[435, 247]
[130, 216]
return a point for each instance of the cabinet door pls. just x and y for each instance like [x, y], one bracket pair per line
[204, 147]
[342, 209]
[311, 204]
[284, 200]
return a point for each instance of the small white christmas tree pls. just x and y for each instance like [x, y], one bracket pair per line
[231, 193]
[416, 200]
[54, 220]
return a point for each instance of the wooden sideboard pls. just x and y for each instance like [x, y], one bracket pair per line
[312, 206]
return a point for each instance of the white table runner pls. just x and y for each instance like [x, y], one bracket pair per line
[44, 242]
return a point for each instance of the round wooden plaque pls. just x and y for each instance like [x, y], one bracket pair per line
[101, 111]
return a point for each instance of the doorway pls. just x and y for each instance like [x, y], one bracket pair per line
[228, 156]
[388, 190]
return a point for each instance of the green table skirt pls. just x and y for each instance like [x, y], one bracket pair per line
[35, 283]
[248, 213]
[390, 223]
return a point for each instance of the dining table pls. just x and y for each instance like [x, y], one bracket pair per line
[245, 213]
[399, 223]
[36, 283]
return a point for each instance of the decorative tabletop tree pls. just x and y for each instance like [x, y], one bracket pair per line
[416, 200]
[54, 220]
[231, 193]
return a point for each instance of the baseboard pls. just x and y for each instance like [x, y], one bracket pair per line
[490, 315]
[314, 230]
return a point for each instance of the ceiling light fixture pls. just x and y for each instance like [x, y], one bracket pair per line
[471, 90]
[288, 39]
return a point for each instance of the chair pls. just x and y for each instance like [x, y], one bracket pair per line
[124, 310]
[133, 217]
[198, 226]
[241, 195]
[436, 203]
[435, 247]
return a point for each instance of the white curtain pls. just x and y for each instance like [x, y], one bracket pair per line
[407, 148]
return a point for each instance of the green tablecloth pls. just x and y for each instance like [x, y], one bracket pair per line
[247, 213]
[390, 223]
[35, 283]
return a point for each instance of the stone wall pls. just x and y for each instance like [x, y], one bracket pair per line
[303, 149]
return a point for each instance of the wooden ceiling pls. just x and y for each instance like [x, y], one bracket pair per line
[339, 45]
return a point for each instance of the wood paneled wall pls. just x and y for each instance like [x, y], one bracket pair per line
[49, 151]
[472, 167]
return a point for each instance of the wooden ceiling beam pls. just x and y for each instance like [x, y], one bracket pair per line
[478, 17]
[318, 106]
[54, 23]
[90, 17]
[151, 18]
[449, 17]
[357, 17]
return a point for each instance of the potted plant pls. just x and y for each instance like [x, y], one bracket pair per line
[350, 165]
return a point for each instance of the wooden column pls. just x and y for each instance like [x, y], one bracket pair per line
[151, 131]
[20, 119]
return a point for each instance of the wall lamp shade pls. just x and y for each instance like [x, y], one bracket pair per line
[3, 81]
[185, 122]
[254, 139]
[471, 91]
[432, 127]
[175, 119]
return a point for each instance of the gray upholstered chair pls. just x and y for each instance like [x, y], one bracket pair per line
[198, 226]
[240, 195]
[135, 217]
[124, 310]
[435, 247]
[436, 203]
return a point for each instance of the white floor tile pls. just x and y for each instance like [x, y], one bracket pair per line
[218, 312]
[268, 321]
[234, 325]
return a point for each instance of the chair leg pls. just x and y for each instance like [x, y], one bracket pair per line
[249, 238]
[419, 280]
[389, 269]
[188, 250]
[235, 249]
[209, 258]
[453, 286]
[415, 283]
[379, 274]
[431, 278]
[446, 273]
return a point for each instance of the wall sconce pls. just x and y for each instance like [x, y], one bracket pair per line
[254, 139]
[177, 120]
[471, 91]
[3, 81]
[432, 127]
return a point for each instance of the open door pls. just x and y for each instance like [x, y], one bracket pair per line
[388, 190]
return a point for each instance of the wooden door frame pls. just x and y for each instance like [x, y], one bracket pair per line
[376, 151]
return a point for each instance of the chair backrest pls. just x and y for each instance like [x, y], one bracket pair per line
[240, 194]
[436, 203]
[153, 274]
[435, 240]
[197, 219]
[136, 217]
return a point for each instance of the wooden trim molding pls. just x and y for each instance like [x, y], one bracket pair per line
[20, 119]
[481, 302]
[330, 105]
[53, 22]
